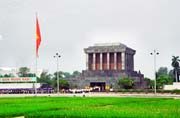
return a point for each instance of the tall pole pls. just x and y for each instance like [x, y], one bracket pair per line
[155, 71]
[57, 56]
[57, 77]
[38, 42]
[36, 79]
[176, 75]
[155, 53]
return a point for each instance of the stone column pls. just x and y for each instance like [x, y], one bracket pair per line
[94, 61]
[87, 61]
[115, 61]
[101, 60]
[133, 62]
[108, 60]
[126, 62]
[123, 60]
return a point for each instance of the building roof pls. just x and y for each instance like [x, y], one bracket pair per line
[109, 47]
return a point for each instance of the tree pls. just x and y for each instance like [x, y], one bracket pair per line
[162, 71]
[171, 73]
[67, 75]
[45, 78]
[63, 84]
[175, 65]
[9, 75]
[163, 80]
[23, 72]
[148, 80]
[60, 73]
[76, 73]
[126, 83]
[151, 84]
[61, 79]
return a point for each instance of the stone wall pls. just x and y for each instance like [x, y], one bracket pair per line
[109, 77]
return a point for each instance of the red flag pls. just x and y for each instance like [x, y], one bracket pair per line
[38, 36]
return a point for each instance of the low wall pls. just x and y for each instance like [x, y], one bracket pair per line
[18, 85]
[175, 86]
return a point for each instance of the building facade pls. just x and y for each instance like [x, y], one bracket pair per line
[109, 57]
[106, 64]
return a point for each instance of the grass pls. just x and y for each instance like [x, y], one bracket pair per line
[89, 107]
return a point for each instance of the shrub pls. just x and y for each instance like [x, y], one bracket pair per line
[126, 83]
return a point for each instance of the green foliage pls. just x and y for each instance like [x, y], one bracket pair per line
[63, 84]
[148, 91]
[67, 75]
[136, 90]
[151, 84]
[175, 65]
[163, 77]
[23, 71]
[162, 71]
[146, 78]
[171, 73]
[126, 83]
[175, 91]
[89, 107]
[163, 80]
[75, 73]
[45, 78]
[60, 74]
[8, 75]
[175, 62]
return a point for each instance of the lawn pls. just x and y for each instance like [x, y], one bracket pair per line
[89, 107]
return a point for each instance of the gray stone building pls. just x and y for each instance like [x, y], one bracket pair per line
[106, 64]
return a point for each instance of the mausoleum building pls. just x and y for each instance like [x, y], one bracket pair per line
[106, 64]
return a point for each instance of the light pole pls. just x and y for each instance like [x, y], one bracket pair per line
[57, 56]
[154, 53]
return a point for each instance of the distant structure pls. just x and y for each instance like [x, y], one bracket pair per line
[106, 64]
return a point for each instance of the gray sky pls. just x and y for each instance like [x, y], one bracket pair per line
[69, 26]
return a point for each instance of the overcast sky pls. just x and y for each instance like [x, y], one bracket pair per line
[69, 26]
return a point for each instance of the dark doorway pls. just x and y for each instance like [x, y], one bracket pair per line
[96, 85]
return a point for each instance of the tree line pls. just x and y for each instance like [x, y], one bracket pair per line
[45, 77]
[163, 77]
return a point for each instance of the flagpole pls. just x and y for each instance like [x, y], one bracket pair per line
[36, 79]
[36, 61]
[38, 41]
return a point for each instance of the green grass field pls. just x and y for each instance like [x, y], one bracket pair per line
[89, 107]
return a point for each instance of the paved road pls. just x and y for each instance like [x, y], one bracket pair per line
[95, 95]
